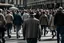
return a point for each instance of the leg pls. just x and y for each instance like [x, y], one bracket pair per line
[62, 34]
[17, 30]
[8, 30]
[53, 35]
[41, 33]
[45, 30]
[3, 39]
[28, 40]
[41, 29]
[34, 40]
[14, 29]
[58, 38]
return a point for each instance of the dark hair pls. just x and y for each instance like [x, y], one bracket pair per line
[43, 12]
[31, 13]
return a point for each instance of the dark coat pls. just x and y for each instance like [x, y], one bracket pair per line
[17, 19]
[43, 20]
[31, 28]
[59, 19]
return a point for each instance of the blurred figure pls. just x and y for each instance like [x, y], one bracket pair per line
[14, 13]
[25, 15]
[44, 22]
[9, 22]
[17, 22]
[52, 26]
[37, 15]
[2, 26]
[31, 29]
[59, 23]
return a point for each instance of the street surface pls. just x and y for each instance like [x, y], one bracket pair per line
[13, 39]
[22, 41]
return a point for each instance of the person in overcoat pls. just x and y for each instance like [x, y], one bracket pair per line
[31, 29]
[59, 23]
[43, 22]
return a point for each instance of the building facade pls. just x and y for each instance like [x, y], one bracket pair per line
[17, 3]
[35, 3]
[45, 3]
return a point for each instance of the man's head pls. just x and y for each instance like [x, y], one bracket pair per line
[60, 8]
[31, 14]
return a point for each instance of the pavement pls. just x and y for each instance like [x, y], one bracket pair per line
[13, 39]
[24, 41]
[13, 36]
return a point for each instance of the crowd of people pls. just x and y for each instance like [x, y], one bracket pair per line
[34, 23]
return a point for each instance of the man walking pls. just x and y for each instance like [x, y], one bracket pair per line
[2, 26]
[17, 22]
[9, 22]
[44, 22]
[31, 29]
[59, 23]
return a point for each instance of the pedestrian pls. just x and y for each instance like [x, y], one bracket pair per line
[44, 22]
[31, 29]
[59, 23]
[14, 13]
[2, 26]
[9, 21]
[17, 22]
[25, 15]
[37, 15]
[52, 26]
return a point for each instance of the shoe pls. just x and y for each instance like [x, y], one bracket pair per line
[39, 39]
[9, 36]
[53, 36]
[18, 36]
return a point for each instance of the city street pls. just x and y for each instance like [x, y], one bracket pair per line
[22, 41]
[46, 39]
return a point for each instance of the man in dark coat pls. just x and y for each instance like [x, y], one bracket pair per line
[2, 26]
[31, 29]
[59, 23]
[17, 22]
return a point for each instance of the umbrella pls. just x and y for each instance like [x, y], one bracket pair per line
[13, 8]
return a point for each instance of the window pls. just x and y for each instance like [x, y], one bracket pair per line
[2, 1]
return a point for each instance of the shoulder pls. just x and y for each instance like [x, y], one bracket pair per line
[1, 14]
[36, 19]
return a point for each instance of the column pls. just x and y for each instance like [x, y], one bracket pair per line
[25, 3]
[16, 3]
[8, 1]
[20, 2]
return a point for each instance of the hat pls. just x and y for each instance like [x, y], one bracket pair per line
[60, 8]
